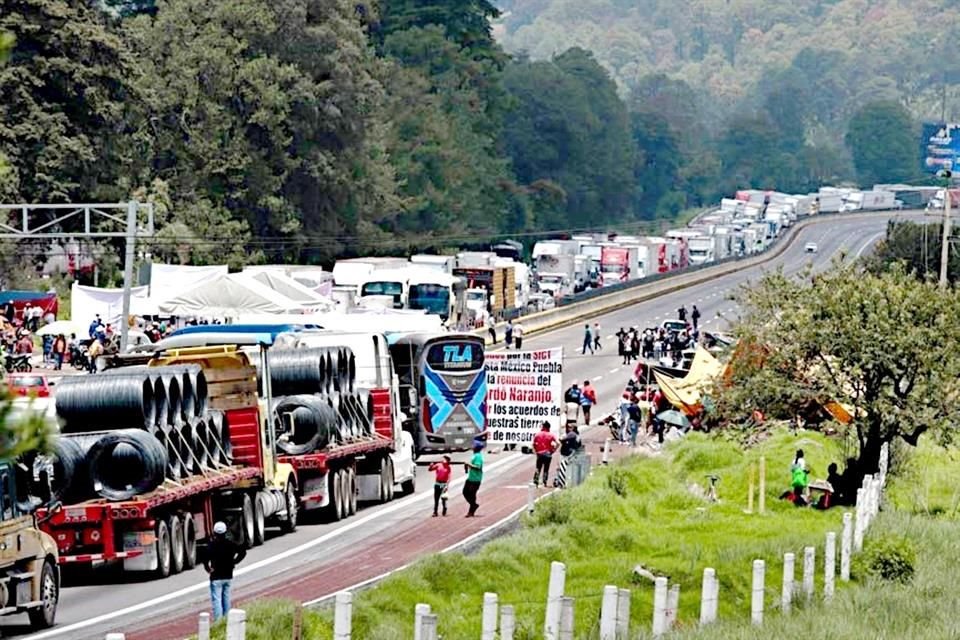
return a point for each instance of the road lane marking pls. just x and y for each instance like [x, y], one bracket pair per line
[595, 378]
[614, 370]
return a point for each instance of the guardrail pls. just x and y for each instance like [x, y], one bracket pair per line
[596, 302]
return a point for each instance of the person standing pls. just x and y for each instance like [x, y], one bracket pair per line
[682, 313]
[474, 470]
[59, 350]
[571, 399]
[587, 340]
[222, 555]
[569, 445]
[93, 352]
[634, 418]
[518, 335]
[695, 316]
[441, 481]
[596, 337]
[544, 444]
[508, 334]
[588, 398]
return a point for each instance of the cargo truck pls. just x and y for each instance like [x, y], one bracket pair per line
[936, 203]
[870, 201]
[497, 283]
[160, 531]
[619, 265]
[704, 249]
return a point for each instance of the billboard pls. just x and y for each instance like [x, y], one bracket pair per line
[940, 147]
[524, 389]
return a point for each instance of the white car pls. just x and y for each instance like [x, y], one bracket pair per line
[810, 247]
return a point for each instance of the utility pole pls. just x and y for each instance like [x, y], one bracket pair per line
[129, 255]
[945, 246]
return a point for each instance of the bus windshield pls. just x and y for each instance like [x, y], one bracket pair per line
[433, 298]
[384, 288]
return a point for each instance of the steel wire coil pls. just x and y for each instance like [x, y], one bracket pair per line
[173, 467]
[95, 403]
[185, 444]
[62, 474]
[305, 424]
[219, 432]
[126, 463]
[161, 402]
[171, 382]
[309, 371]
[201, 452]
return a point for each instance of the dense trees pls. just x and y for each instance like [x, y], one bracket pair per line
[883, 141]
[917, 247]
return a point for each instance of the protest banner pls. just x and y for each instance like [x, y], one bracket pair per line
[524, 389]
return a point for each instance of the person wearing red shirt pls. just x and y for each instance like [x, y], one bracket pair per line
[544, 444]
[442, 470]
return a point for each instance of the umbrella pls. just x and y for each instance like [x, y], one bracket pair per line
[675, 418]
[65, 327]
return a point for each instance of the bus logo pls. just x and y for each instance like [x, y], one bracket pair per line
[453, 353]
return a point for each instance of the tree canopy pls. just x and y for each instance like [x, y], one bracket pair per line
[877, 342]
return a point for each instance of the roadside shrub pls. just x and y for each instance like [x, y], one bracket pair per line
[888, 557]
[617, 482]
[554, 509]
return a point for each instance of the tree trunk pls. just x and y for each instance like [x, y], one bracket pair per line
[869, 460]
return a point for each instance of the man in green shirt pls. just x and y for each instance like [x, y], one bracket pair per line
[474, 470]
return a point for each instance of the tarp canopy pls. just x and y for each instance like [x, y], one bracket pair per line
[20, 299]
[290, 288]
[685, 393]
[87, 302]
[230, 296]
[169, 280]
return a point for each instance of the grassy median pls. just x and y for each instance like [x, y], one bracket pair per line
[644, 510]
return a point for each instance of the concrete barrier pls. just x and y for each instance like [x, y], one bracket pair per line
[598, 304]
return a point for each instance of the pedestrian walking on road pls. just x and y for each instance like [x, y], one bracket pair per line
[587, 340]
[518, 335]
[588, 398]
[544, 444]
[222, 555]
[474, 470]
[695, 316]
[682, 313]
[596, 337]
[443, 470]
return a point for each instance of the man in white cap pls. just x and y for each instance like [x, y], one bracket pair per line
[222, 555]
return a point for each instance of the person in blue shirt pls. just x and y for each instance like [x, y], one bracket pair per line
[94, 325]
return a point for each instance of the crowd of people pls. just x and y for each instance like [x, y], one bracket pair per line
[840, 488]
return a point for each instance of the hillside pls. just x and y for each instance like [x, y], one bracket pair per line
[733, 52]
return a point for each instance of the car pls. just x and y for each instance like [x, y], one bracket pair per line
[674, 325]
[811, 247]
[29, 385]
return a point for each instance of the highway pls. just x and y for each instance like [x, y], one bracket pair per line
[91, 610]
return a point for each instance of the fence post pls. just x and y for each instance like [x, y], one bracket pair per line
[558, 576]
[858, 525]
[489, 620]
[608, 613]
[762, 496]
[659, 607]
[708, 597]
[846, 544]
[868, 503]
[343, 616]
[786, 594]
[566, 618]
[531, 497]
[829, 565]
[606, 451]
[673, 603]
[877, 495]
[203, 627]
[753, 471]
[623, 613]
[418, 612]
[236, 624]
[809, 570]
[508, 623]
[757, 592]
[428, 627]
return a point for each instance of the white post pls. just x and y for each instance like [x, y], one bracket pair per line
[868, 503]
[343, 616]
[488, 630]
[531, 496]
[606, 451]
[236, 624]
[203, 629]
[714, 599]
[659, 607]
[757, 591]
[566, 618]
[829, 565]
[418, 612]
[809, 569]
[558, 576]
[508, 623]
[858, 525]
[786, 594]
[623, 613]
[708, 597]
[428, 627]
[673, 603]
[877, 495]
[846, 546]
[608, 613]
[762, 489]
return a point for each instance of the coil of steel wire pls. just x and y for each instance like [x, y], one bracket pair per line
[219, 434]
[306, 423]
[95, 403]
[126, 463]
[62, 474]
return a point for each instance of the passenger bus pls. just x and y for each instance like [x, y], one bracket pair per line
[443, 388]
[436, 293]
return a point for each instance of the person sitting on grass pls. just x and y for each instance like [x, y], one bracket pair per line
[799, 480]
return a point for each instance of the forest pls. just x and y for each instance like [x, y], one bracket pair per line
[303, 130]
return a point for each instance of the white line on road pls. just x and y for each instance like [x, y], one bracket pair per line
[154, 602]
[614, 370]
[595, 378]
[610, 337]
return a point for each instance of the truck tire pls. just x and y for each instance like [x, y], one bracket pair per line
[43, 617]
[162, 533]
[259, 521]
[382, 497]
[344, 494]
[390, 480]
[246, 521]
[175, 525]
[352, 483]
[334, 508]
[189, 542]
[409, 486]
[289, 524]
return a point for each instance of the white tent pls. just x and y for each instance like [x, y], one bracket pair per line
[169, 280]
[88, 302]
[372, 322]
[230, 296]
[290, 288]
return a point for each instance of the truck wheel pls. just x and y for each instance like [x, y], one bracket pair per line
[246, 521]
[259, 521]
[163, 549]
[43, 617]
[390, 480]
[352, 483]
[384, 491]
[189, 542]
[335, 509]
[176, 544]
[409, 486]
[344, 494]
[289, 524]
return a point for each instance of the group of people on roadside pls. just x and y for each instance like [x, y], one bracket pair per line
[443, 473]
[841, 489]
[580, 401]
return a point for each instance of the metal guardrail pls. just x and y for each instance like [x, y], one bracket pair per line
[578, 468]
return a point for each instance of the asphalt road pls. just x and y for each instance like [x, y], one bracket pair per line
[90, 610]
